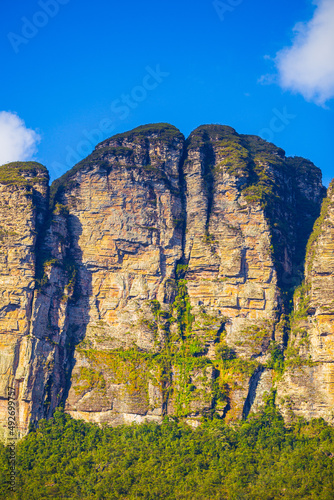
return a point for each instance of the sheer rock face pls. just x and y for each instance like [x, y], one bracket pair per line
[157, 281]
[240, 255]
[307, 387]
[125, 220]
[23, 203]
[231, 271]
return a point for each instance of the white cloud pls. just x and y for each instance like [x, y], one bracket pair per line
[17, 142]
[307, 67]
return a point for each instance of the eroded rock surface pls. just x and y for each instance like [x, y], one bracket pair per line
[242, 247]
[125, 221]
[23, 204]
[158, 283]
[307, 387]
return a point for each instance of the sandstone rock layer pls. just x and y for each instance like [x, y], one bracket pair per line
[159, 281]
[307, 387]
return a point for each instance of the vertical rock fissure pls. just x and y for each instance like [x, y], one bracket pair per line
[182, 184]
[208, 177]
[253, 383]
[82, 291]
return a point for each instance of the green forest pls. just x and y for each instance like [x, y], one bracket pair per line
[260, 458]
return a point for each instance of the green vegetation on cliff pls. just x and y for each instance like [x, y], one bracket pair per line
[258, 459]
[287, 189]
[164, 131]
[181, 354]
[23, 173]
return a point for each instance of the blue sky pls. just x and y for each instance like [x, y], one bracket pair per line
[77, 72]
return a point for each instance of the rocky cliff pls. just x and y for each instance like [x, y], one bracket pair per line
[307, 386]
[159, 282]
[23, 207]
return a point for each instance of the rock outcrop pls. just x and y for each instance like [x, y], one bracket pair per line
[23, 206]
[307, 386]
[159, 281]
[125, 215]
[243, 243]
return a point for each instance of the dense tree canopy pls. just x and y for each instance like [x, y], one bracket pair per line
[260, 458]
